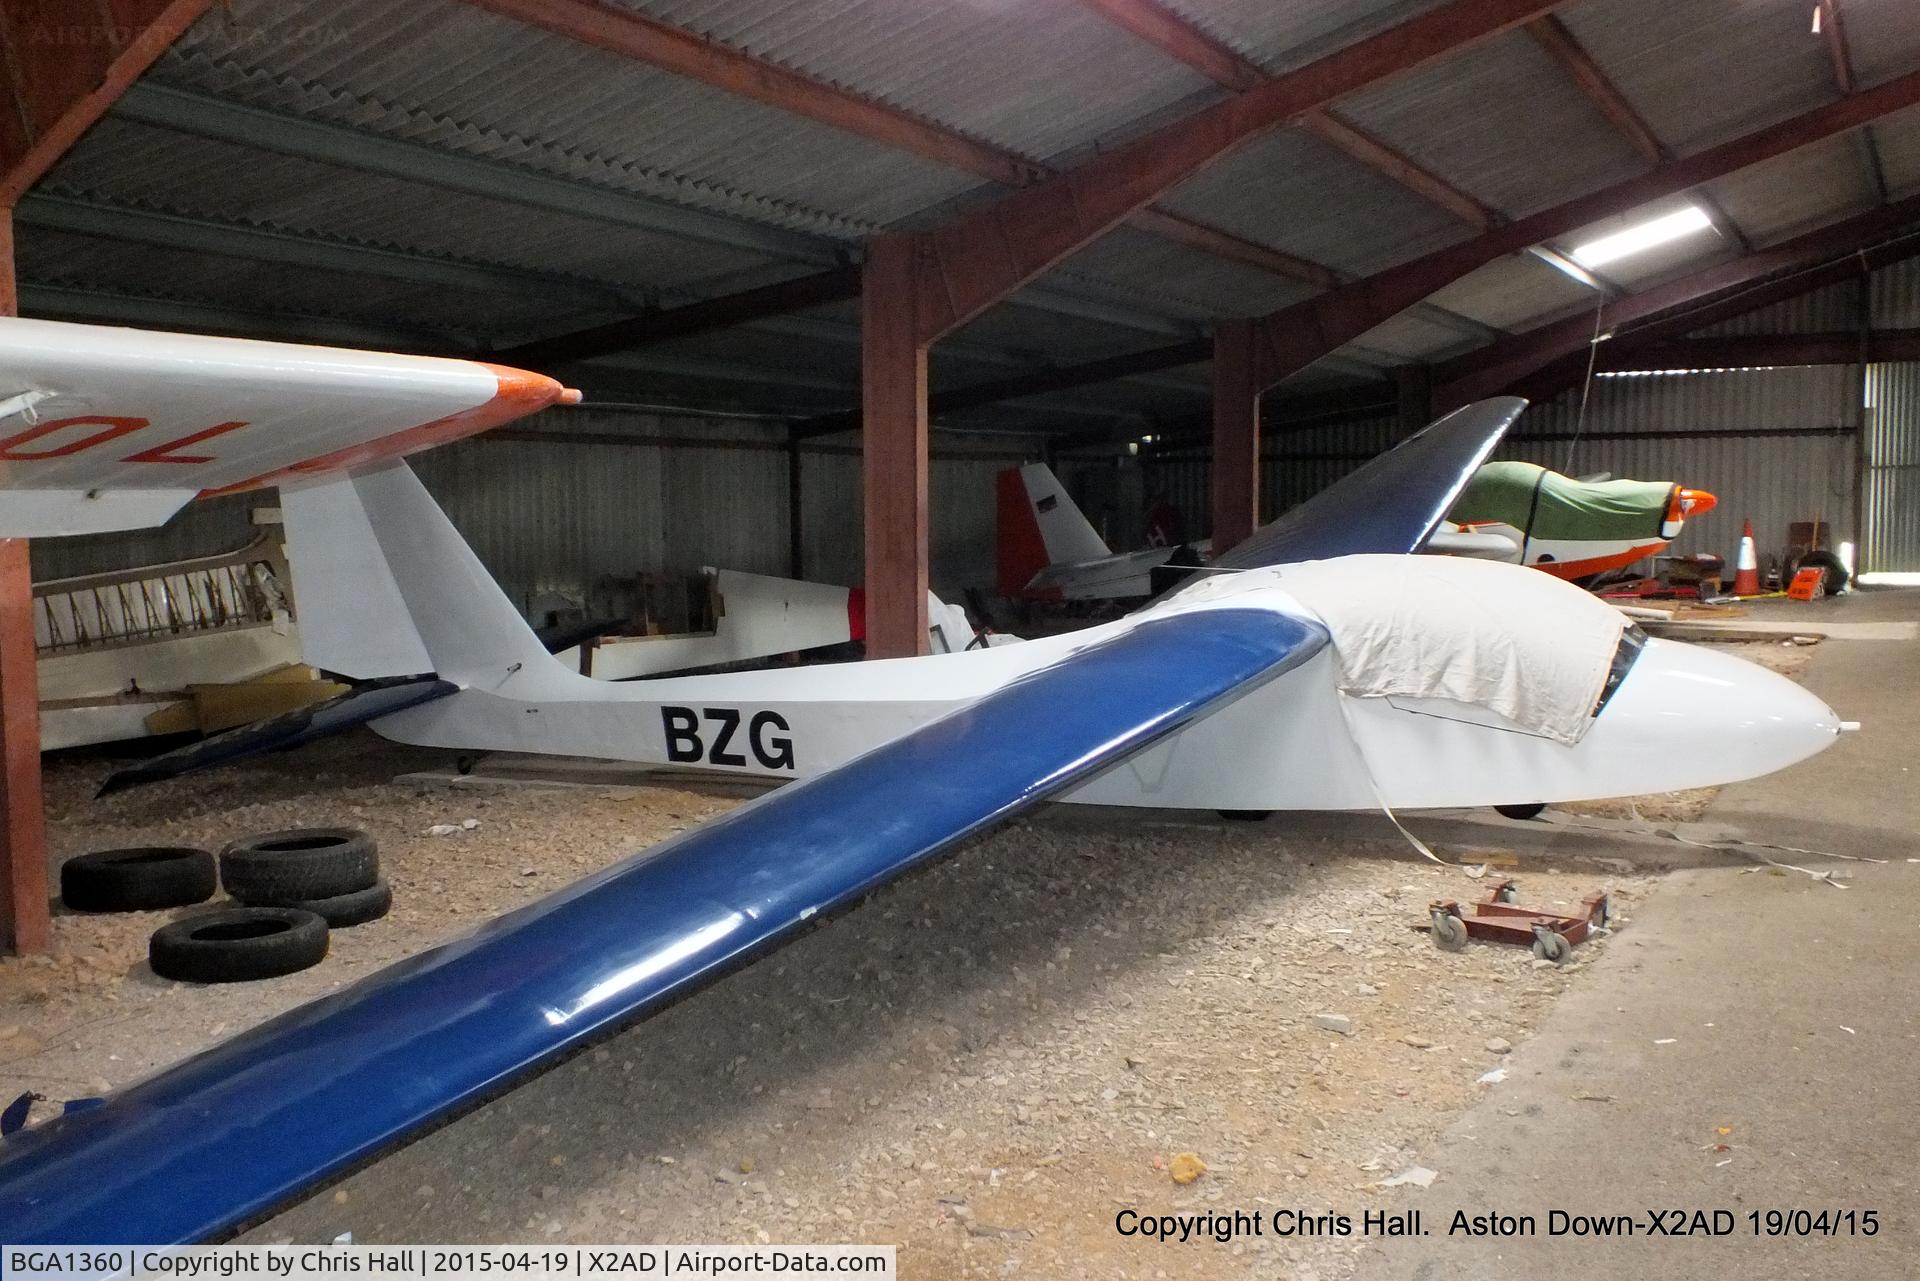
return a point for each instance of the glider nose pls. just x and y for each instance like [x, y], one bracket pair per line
[1725, 716]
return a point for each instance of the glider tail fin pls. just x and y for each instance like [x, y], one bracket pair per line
[386, 586]
[1039, 526]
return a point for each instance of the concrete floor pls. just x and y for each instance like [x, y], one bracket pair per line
[1758, 1010]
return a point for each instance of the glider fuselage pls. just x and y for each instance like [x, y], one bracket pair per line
[1684, 716]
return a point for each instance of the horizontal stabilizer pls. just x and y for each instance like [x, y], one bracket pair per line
[52, 513]
[302, 725]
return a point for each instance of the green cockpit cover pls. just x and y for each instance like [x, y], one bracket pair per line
[1567, 508]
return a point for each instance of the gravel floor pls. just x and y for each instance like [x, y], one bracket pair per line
[981, 1064]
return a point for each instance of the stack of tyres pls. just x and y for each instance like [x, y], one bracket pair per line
[295, 887]
[333, 872]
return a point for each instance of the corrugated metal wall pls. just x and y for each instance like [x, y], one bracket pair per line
[1776, 446]
[1892, 539]
[552, 518]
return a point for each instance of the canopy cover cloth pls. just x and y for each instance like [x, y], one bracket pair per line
[1504, 492]
[1526, 645]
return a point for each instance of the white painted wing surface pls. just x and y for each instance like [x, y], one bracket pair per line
[104, 428]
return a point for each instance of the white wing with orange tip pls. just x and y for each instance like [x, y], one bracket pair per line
[109, 429]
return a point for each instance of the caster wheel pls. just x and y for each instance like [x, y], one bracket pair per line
[1521, 812]
[1549, 946]
[1449, 932]
[465, 764]
[1246, 816]
[1508, 894]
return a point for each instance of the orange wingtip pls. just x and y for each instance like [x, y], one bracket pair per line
[518, 394]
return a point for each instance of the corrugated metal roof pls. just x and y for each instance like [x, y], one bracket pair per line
[56, 258]
[1513, 292]
[1503, 122]
[134, 164]
[1282, 36]
[1040, 78]
[1412, 336]
[1898, 138]
[1178, 281]
[1883, 36]
[1297, 194]
[455, 76]
[1702, 71]
[1803, 188]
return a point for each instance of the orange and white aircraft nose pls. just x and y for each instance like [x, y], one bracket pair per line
[1696, 502]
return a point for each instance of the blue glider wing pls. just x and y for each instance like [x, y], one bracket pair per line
[226, 1137]
[1391, 504]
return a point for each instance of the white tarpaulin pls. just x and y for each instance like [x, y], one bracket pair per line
[1518, 642]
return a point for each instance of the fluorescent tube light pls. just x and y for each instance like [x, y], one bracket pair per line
[1655, 231]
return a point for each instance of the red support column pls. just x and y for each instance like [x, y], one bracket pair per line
[1236, 434]
[893, 410]
[25, 925]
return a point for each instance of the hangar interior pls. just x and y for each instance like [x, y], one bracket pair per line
[822, 271]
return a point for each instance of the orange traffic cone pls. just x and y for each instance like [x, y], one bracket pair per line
[1746, 573]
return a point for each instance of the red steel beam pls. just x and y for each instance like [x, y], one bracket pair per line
[982, 256]
[26, 926]
[779, 299]
[893, 403]
[1390, 162]
[1296, 336]
[1177, 37]
[619, 30]
[1174, 35]
[1835, 33]
[630, 34]
[1746, 351]
[1236, 436]
[1502, 364]
[1552, 35]
[66, 62]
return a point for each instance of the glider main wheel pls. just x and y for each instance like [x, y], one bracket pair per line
[142, 879]
[238, 946]
[298, 865]
[1449, 932]
[344, 911]
[1550, 946]
[1246, 816]
[1521, 812]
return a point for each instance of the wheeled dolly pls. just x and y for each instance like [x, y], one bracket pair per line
[1496, 919]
